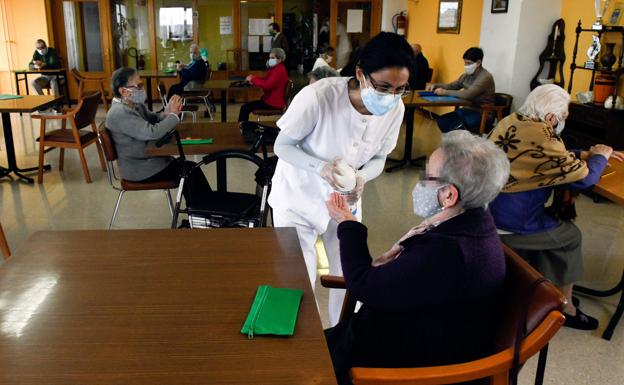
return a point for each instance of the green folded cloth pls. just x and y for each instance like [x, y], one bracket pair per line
[197, 141]
[274, 311]
[9, 96]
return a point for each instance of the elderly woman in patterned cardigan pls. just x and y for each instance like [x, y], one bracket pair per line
[539, 162]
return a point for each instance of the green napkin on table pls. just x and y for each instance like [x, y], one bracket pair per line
[197, 141]
[274, 311]
[9, 96]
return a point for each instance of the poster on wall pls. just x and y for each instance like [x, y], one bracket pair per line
[259, 26]
[266, 43]
[500, 6]
[253, 43]
[225, 25]
[355, 20]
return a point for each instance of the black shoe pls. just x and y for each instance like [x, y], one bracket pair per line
[575, 301]
[580, 321]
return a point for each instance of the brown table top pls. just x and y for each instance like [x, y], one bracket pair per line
[29, 103]
[415, 100]
[154, 307]
[157, 74]
[39, 71]
[226, 136]
[218, 85]
[611, 184]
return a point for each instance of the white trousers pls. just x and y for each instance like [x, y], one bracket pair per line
[307, 239]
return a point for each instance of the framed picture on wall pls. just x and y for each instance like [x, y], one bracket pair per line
[449, 16]
[500, 6]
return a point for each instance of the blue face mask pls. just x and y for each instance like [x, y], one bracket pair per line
[271, 62]
[378, 104]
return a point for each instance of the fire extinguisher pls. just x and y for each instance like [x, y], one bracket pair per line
[400, 23]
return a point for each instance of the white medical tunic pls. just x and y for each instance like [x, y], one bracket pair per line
[322, 117]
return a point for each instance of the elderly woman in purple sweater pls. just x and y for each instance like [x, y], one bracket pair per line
[431, 298]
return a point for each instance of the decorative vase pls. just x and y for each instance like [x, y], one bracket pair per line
[608, 59]
[604, 85]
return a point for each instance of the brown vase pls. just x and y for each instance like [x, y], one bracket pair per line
[608, 59]
[604, 85]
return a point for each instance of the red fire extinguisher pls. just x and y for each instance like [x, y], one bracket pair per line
[400, 24]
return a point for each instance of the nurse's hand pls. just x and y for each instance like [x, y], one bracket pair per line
[338, 208]
[330, 172]
[354, 195]
[429, 87]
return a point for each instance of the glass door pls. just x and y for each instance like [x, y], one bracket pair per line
[131, 34]
[352, 24]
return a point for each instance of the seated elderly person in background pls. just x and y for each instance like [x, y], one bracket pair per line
[476, 84]
[541, 163]
[273, 84]
[133, 127]
[326, 56]
[322, 73]
[429, 300]
[194, 71]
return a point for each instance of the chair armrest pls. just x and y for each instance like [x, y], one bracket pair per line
[492, 107]
[50, 117]
[333, 282]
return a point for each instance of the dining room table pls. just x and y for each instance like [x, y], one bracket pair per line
[60, 74]
[155, 307]
[224, 87]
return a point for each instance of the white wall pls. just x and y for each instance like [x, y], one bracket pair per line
[390, 8]
[512, 43]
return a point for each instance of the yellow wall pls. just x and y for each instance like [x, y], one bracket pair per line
[22, 22]
[571, 12]
[209, 36]
[443, 50]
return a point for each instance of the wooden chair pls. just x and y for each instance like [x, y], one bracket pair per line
[501, 106]
[107, 143]
[81, 116]
[4, 245]
[276, 111]
[186, 108]
[97, 81]
[543, 320]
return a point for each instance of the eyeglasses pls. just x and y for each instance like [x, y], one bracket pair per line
[385, 90]
[138, 86]
[425, 179]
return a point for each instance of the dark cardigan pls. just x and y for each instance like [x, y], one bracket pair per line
[433, 305]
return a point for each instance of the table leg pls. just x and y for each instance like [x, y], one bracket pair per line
[619, 288]
[150, 105]
[10, 150]
[224, 106]
[409, 133]
[67, 98]
[17, 89]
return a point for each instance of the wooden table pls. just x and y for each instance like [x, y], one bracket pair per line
[154, 307]
[226, 136]
[148, 75]
[411, 102]
[60, 73]
[27, 103]
[611, 187]
[224, 86]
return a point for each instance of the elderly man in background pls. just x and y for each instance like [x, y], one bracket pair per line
[420, 74]
[43, 58]
[541, 164]
[194, 71]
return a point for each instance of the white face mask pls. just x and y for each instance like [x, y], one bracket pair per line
[375, 103]
[137, 96]
[272, 62]
[560, 126]
[470, 68]
[42, 51]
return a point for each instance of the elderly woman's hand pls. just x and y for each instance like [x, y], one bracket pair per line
[618, 155]
[175, 105]
[339, 208]
[248, 78]
[440, 91]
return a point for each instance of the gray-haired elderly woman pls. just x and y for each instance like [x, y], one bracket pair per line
[322, 73]
[540, 162]
[428, 300]
[273, 84]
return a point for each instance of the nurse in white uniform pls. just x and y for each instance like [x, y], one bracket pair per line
[355, 120]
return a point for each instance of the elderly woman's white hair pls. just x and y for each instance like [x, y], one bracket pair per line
[477, 167]
[543, 100]
[279, 53]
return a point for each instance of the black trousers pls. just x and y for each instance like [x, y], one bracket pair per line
[195, 186]
[246, 109]
[176, 89]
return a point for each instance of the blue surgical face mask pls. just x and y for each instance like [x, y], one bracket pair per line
[377, 104]
[425, 199]
[272, 62]
[137, 96]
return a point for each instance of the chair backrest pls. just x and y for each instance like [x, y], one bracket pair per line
[77, 75]
[501, 99]
[162, 92]
[108, 145]
[87, 110]
[543, 320]
[429, 75]
[290, 85]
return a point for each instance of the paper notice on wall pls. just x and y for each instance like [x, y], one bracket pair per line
[355, 20]
[225, 25]
[259, 26]
[253, 43]
[266, 43]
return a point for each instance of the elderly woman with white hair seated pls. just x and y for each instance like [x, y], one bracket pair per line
[540, 163]
[431, 298]
[322, 73]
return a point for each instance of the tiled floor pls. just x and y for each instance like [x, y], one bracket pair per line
[65, 201]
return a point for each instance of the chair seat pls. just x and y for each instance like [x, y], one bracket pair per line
[66, 136]
[232, 204]
[190, 107]
[142, 186]
[269, 112]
